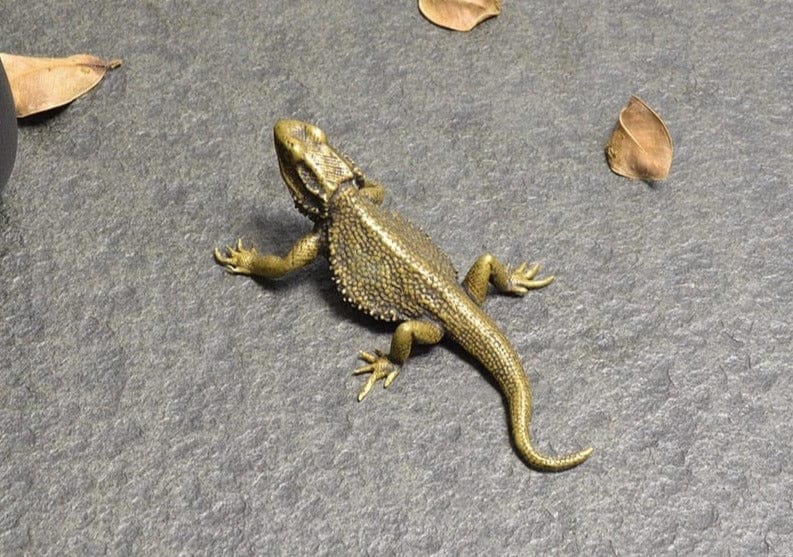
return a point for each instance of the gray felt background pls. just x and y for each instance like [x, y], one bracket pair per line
[151, 403]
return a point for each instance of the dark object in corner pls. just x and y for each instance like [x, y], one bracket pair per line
[8, 129]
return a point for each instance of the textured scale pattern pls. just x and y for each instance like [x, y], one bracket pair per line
[390, 269]
[368, 248]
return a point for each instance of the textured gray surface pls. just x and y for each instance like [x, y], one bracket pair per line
[152, 404]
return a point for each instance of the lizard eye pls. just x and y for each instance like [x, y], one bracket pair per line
[297, 151]
[308, 179]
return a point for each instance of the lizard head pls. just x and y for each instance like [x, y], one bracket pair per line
[313, 170]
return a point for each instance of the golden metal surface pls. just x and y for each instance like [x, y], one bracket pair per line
[390, 269]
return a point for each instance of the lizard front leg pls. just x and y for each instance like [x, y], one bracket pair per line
[386, 366]
[375, 191]
[243, 261]
[488, 269]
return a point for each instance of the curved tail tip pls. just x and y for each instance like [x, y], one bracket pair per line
[556, 464]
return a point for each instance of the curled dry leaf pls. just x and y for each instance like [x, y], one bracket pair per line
[640, 146]
[39, 84]
[459, 15]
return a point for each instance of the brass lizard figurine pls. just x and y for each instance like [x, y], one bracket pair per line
[390, 269]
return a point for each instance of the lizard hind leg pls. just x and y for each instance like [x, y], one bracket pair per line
[488, 269]
[386, 366]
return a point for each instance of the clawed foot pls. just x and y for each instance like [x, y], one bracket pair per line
[380, 367]
[521, 279]
[237, 259]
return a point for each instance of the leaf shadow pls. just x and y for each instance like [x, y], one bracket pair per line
[41, 118]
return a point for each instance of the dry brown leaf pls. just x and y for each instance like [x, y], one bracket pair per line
[40, 84]
[459, 15]
[640, 146]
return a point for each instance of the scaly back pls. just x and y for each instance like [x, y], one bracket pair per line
[382, 263]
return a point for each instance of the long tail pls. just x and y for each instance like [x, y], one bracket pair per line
[481, 338]
[518, 395]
